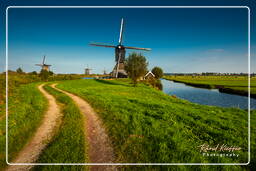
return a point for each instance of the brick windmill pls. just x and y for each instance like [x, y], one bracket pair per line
[43, 65]
[118, 70]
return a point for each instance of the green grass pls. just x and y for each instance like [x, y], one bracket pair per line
[232, 84]
[146, 125]
[26, 108]
[68, 145]
[15, 80]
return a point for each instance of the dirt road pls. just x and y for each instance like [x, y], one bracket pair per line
[32, 150]
[100, 149]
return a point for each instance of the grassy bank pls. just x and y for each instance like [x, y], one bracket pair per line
[145, 125]
[228, 84]
[26, 108]
[14, 81]
[68, 145]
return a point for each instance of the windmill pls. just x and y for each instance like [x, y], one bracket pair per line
[43, 65]
[120, 49]
[87, 71]
[104, 72]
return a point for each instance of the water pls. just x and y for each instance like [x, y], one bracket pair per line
[206, 96]
[89, 78]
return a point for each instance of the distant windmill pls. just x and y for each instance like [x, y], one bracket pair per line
[104, 72]
[43, 65]
[87, 71]
[118, 70]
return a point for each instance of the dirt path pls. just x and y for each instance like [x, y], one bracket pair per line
[100, 149]
[32, 150]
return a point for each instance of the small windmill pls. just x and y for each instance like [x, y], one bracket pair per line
[118, 70]
[104, 72]
[87, 70]
[43, 65]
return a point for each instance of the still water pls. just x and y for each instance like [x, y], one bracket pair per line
[206, 96]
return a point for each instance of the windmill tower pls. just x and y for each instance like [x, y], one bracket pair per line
[43, 65]
[87, 71]
[120, 50]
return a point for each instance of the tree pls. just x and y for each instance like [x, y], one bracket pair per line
[158, 72]
[136, 66]
[19, 70]
[44, 75]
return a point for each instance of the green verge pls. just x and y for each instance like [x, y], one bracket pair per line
[146, 125]
[68, 145]
[228, 84]
[26, 109]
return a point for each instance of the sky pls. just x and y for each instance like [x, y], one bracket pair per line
[182, 40]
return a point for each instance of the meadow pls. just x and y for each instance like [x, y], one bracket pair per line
[26, 108]
[146, 125]
[228, 84]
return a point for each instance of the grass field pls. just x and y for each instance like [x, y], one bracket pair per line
[229, 84]
[145, 125]
[26, 108]
[68, 145]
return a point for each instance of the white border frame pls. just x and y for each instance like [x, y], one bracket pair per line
[249, 57]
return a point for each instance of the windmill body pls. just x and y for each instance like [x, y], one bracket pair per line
[44, 66]
[87, 71]
[120, 49]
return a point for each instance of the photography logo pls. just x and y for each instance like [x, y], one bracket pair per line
[218, 150]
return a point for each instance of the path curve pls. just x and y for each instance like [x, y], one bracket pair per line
[32, 150]
[100, 149]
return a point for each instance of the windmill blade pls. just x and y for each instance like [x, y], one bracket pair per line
[121, 32]
[102, 45]
[136, 48]
[38, 64]
[47, 65]
[43, 59]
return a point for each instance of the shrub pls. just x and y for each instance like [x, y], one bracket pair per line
[158, 72]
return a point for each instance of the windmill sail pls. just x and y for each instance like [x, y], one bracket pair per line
[121, 32]
[136, 48]
[102, 45]
[43, 59]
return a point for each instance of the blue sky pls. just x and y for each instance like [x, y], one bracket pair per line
[182, 40]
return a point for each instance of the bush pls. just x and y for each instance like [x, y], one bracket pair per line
[158, 72]
[19, 70]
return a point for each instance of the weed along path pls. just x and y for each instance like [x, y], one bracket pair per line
[32, 150]
[100, 149]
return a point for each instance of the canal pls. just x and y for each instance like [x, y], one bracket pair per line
[204, 96]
